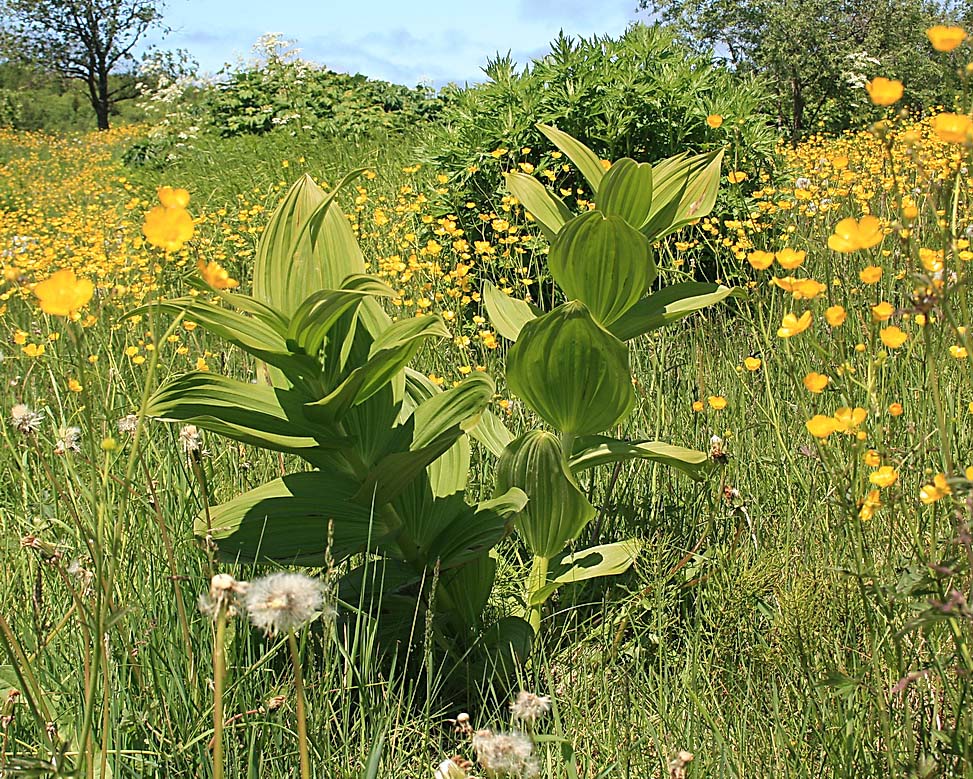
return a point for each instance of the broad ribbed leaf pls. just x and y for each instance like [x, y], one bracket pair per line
[586, 160]
[684, 190]
[473, 532]
[286, 520]
[548, 209]
[604, 263]
[556, 509]
[604, 560]
[251, 413]
[507, 315]
[316, 316]
[388, 355]
[449, 473]
[699, 196]
[591, 451]
[492, 433]
[571, 371]
[468, 588]
[394, 472]
[668, 305]
[626, 191]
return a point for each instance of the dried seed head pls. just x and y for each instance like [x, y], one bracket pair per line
[128, 424]
[528, 708]
[677, 766]
[25, 420]
[224, 594]
[69, 439]
[192, 441]
[505, 754]
[454, 768]
[283, 602]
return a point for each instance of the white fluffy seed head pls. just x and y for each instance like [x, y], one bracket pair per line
[25, 420]
[528, 708]
[282, 602]
[505, 754]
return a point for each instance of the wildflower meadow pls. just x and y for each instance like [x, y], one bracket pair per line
[376, 443]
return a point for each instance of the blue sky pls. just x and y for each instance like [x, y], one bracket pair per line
[398, 41]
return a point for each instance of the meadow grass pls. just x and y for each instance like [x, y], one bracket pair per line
[768, 624]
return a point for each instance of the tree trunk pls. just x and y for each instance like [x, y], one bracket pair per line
[797, 117]
[103, 102]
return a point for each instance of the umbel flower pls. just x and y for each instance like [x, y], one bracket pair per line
[283, 602]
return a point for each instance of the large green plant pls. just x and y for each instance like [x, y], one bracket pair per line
[387, 450]
[571, 365]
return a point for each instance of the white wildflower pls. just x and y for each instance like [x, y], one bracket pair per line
[528, 708]
[69, 440]
[283, 602]
[25, 420]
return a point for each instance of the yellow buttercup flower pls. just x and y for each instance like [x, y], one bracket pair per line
[63, 293]
[939, 489]
[789, 258]
[717, 402]
[835, 315]
[821, 426]
[872, 459]
[752, 363]
[885, 476]
[851, 234]
[884, 91]
[216, 275]
[170, 197]
[953, 128]
[870, 275]
[872, 501]
[715, 121]
[893, 337]
[882, 312]
[848, 419]
[895, 409]
[760, 260]
[945, 38]
[168, 228]
[816, 382]
[792, 325]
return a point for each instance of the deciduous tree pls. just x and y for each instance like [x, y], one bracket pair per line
[88, 40]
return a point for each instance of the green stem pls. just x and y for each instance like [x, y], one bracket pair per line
[301, 713]
[219, 673]
[535, 581]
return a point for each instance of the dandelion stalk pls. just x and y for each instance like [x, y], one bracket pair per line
[219, 673]
[300, 705]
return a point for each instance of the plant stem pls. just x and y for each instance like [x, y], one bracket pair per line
[301, 713]
[219, 672]
[535, 581]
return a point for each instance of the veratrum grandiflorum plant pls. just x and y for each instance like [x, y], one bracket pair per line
[388, 450]
[571, 365]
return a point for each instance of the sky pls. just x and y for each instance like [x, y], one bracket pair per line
[433, 41]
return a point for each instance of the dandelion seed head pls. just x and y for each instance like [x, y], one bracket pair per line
[282, 602]
[128, 424]
[224, 594]
[505, 754]
[528, 707]
[69, 440]
[190, 438]
[25, 420]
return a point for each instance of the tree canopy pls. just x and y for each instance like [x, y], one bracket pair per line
[88, 40]
[817, 54]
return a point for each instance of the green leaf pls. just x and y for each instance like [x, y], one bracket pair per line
[475, 531]
[461, 405]
[604, 263]
[626, 191]
[587, 161]
[316, 316]
[548, 209]
[591, 451]
[699, 196]
[492, 433]
[556, 510]
[449, 473]
[592, 563]
[507, 315]
[250, 413]
[685, 190]
[387, 356]
[286, 520]
[571, 371]
[668, 305]
[468, 587]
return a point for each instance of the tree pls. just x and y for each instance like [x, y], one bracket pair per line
[817, 54]
[88, 40]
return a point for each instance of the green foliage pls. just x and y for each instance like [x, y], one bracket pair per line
[643, 94]
[388, 448]
[818, 54]
[569, 367]
[286, 91]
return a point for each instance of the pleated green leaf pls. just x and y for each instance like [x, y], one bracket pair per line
[507, 315]
[591, 451]
[592, 563]
[286, 520]
[603, 262]
[586, 160]
[668, 305]
[546, 207]
[556, 510]
[626, 191]
[571, 371]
